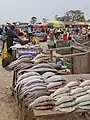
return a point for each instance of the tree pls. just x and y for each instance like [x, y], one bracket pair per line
[33, 20]
[74, 15]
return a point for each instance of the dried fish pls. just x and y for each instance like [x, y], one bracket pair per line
[80, 94]
[85, 103]
[41, 100]
[87, 87]
[25, 75]
[41, 65]
[61, 95]
[65, 110]
[55, 78]
[67, 104]
[60, 91]
[48, 74]
[85, 107]
[54, 84]
[83, 98]
[77, 90]
[64, 99]
[72, 84]
[85, 83]
[39, 56]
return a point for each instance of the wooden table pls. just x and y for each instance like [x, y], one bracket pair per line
[56, 115]
[76, 77]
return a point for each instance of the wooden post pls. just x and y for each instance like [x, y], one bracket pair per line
[72, 62]
[51, 55]
[88, 63]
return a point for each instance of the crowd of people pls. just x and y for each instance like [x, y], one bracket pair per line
[50, 33]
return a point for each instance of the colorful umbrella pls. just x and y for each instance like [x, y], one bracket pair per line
[57, 24]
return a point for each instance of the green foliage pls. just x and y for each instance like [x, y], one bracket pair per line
[74, 15]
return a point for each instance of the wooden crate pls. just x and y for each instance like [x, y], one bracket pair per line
[62, 43]
[79, 59]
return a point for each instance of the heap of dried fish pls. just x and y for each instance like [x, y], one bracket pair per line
[14, 64]
[85, 83]
[55, 78]
[43, 103]
[26, 75]
[39, 56]
[72, 84]
[47, 75]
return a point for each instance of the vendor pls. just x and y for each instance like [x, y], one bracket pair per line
[10, 38]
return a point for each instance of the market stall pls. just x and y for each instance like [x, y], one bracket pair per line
[43, 93]
[78, 114]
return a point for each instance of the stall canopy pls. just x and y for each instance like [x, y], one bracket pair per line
[56, 23]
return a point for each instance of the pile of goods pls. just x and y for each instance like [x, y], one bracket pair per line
[40, 87]
[27, 49]
[43, 103]
[37, 79]
[74, 95]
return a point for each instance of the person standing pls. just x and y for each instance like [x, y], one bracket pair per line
[10, 38]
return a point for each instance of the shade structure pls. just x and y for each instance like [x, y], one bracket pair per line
[56, 23]
[45, 25]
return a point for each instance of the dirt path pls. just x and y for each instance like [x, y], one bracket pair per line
[8, 108]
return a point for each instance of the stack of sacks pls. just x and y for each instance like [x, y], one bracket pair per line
[29, 88]
[41, 58]
[17, 63]
[78, 92]
[54, 82]
[26, 75]
[43, 103]
[25, 56]
[73, 84]
[64, 102]
[60, 93]
[46, 75]
[23, 65]
[40, 68]
[83, 102]
[74, 95]
[86, 84]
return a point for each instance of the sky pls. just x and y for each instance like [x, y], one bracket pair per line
[23, 10]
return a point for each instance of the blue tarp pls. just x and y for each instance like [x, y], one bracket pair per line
[27, 52]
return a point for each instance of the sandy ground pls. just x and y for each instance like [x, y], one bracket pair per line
[8, 107]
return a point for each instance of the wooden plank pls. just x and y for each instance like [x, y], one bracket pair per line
[55, 115]
[61, 48]
[76, 77]
[70, 55]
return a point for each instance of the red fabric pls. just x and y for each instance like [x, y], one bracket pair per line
[65, 37]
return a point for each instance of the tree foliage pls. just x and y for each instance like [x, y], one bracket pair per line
[74, 15]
